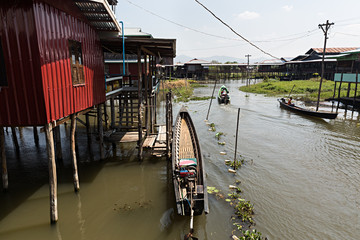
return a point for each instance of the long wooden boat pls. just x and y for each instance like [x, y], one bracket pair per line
[188, 168]
[223, 95]
[320, 114]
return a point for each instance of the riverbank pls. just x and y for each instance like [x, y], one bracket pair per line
[306, 90]
[183, 89]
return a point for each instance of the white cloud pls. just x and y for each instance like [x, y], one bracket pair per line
[248, 15]
[287, 8]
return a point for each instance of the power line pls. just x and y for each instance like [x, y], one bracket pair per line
[252, 44]
[278, 39]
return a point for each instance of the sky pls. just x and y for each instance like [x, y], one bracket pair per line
[280, 28]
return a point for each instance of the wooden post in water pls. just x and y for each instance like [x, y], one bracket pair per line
[52, 173]
[101, 131]
[212, 95]
[356, 83]
[338, 103]
[89, 138]
[236, 139]
[105, 116]
[73, 152]
[332, 105]
[14, 138]
[140, 153]
[4, 172]
[112, 110]
[58, 149]
[36, 136]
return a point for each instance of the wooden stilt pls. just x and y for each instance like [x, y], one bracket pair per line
[36, 136]
[4, 172]
[339, 91]
[101, 131]
[73, 152]
[14, 138]
[140, 153]
[105, 117]
[89, 138]
[112, 109]
[52, 173]
[58, 148]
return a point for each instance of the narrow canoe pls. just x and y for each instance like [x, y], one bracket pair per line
[188, 168]
[320, 114]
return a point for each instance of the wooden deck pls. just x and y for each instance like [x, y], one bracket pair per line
[157, 143]
[122, 137]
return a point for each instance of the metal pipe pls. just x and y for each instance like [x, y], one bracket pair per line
[123, 45]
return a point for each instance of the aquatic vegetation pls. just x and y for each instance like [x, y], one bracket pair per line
[221, 143]
[236, 164]
[212, 190]
[218, 135]
[251, 235]
[244, 210]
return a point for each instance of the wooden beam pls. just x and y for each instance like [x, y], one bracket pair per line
[65, 119]
[147, 51]
[73, 152]
[4, 172]
[52, 173]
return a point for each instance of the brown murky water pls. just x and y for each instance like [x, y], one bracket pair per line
[302, 174]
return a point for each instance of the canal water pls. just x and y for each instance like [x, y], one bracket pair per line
[302, 175]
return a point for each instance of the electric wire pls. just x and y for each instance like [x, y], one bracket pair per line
[252, 44]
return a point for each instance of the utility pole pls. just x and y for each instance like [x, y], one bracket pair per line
[325, 27]
[248, 80]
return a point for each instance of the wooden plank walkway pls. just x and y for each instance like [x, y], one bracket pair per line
[123, 137]
[149, 141]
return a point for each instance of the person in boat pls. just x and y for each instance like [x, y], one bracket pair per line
[224, 91]
[290, 101]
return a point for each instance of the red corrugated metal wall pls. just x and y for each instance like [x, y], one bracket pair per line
[34, 37]
[54, 29]
[21, 102]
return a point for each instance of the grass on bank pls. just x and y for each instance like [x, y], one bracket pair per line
[183, 90]
[306, 90]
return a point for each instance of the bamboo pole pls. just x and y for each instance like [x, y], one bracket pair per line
[236, 139]
[52, 173]
[4, 172]
[212, 95]
[73, 152]
[89, 138]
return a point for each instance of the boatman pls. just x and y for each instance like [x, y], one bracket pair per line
[289, 101]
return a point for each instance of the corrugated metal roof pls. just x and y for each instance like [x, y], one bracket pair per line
[99, 14]
[333, 50]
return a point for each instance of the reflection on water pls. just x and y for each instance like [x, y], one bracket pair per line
[301, 173]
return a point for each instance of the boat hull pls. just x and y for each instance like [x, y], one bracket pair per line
[224, 99]
[327, 115]
[188, 168]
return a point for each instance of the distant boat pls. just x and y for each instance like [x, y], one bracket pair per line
[223, 95]
[320, 114]
[188, 169]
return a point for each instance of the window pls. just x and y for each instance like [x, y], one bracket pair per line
[76, 63]
[3, 78]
